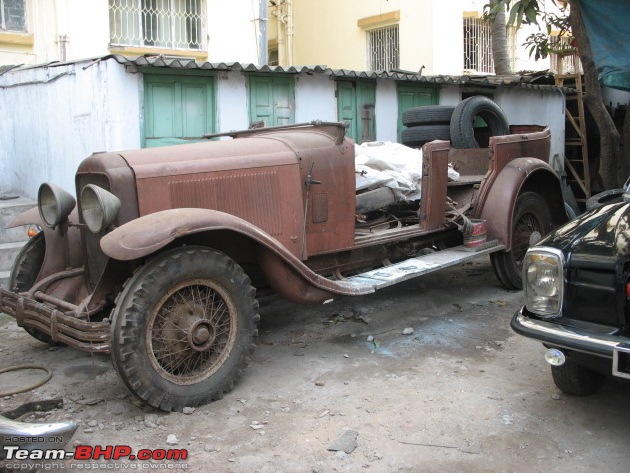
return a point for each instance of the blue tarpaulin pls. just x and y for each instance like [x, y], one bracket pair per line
[608, 28]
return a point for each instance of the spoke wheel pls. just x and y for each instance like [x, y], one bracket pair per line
[191, 331]
[184, 327]
[531, 221]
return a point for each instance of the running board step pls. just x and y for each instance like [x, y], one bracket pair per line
[414, 267]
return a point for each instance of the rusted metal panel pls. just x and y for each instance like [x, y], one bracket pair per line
[269, 198]
[434, 178]
[334, 170]
[504, 149]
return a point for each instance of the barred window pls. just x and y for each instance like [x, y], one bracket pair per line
[478, 46]
[12, 15]
[173, 24]
[383, 48]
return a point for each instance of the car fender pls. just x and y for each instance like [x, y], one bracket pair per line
[520, 175]
[288, 275]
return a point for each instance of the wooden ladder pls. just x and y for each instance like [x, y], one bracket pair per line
[576, 146]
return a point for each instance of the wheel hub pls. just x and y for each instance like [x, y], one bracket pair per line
[201, 335]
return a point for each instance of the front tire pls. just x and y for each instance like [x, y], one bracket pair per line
[576, 380]
[184, 327]
[531, 221]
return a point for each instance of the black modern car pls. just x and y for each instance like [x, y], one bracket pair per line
[577, 290]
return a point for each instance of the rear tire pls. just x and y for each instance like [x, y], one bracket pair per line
[184, 327]
[576, 380]
[26, 268]
[531, 214]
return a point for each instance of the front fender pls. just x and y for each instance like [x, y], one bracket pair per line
[150, 233]
[289, 276]
[520, 175]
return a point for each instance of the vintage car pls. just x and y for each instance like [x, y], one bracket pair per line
[161, 263]
[577, 289]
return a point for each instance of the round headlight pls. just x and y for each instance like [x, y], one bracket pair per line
[98, 207]
[54, 204]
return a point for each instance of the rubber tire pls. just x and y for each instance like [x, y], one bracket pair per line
[428, 115]
[576, 380]
[131, 355]
[508, 265]
[417, 136]
[25, 270]
[462, 131]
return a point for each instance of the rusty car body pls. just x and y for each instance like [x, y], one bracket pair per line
[161, 260]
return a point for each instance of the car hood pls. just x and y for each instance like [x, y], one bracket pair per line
[599, 238]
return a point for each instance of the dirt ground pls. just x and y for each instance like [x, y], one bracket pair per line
[460, 393]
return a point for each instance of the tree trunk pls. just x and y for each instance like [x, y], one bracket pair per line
[500, 54]
[609, 146]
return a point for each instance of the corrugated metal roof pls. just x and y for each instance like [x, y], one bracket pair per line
[533, 80]
[537, 80]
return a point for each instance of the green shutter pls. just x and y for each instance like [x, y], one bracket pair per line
[271, 99]
[414, 96]
[177, 109]
[355, 103]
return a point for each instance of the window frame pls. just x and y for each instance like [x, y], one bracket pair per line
[131, 21]
[23, 27]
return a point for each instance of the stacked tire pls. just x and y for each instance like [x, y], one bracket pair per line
[455, 124]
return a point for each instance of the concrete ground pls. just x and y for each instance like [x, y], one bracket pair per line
[460, 393]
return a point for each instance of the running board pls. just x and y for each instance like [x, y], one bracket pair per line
[414, 267]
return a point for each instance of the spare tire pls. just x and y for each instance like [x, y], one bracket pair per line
[418, 135]
[462, 131]
[428, 114]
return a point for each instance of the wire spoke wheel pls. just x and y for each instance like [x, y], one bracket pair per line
[183, 328]
[191, 332]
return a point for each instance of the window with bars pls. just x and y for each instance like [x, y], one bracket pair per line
[172, 24]
[12, 15]
[383, 48]
[478, 46]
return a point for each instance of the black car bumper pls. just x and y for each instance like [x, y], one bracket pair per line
[584, 337]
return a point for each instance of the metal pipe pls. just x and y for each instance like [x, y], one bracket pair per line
[263, 57]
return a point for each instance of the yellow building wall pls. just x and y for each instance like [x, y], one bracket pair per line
[333, 33]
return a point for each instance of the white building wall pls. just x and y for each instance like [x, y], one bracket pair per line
[61, 115]
[315, 99]
[531, 107]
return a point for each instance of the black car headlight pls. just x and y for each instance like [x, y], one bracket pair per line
[54, 204]
[98, 207]
[543, 281]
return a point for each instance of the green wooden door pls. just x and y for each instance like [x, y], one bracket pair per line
[414, 96]
[271, 100]
[177, 109]
[356, 104]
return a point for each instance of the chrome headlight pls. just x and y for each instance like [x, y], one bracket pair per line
[543, 281]
[98, 207]
[54, 204]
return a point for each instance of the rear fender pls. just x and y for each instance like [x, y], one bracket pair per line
[520, 175]
[290, 277]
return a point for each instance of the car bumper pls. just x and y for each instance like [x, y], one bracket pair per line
[77, 333]
[579, 336]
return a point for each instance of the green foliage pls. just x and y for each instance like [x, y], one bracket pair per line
[540, 44]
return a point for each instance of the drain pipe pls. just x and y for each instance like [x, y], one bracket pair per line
[263, 57]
